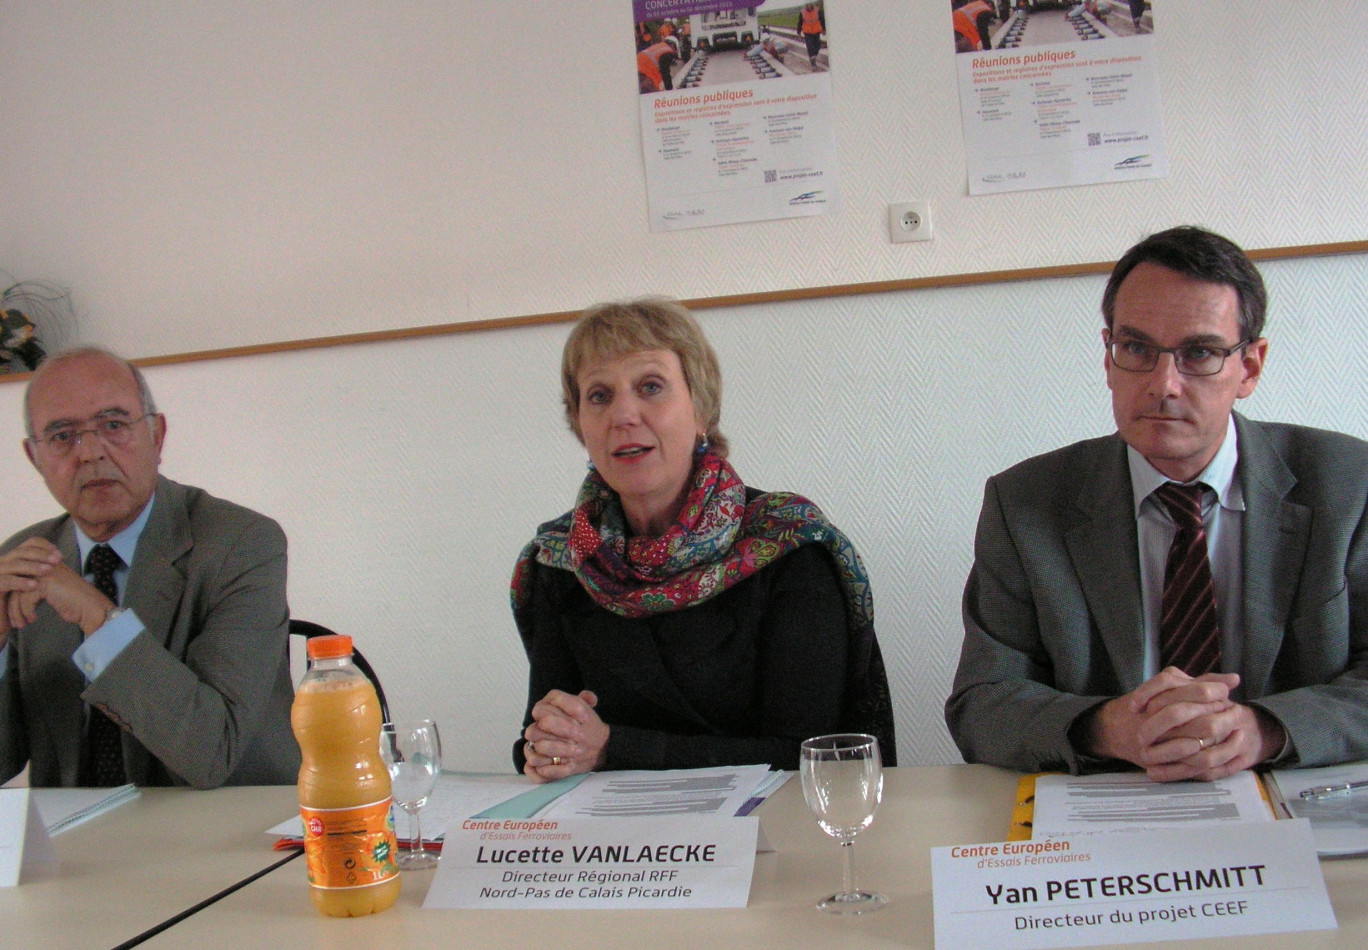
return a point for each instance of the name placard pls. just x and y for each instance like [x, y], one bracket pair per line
[26, 851]
[1212, 881]
[588, 862]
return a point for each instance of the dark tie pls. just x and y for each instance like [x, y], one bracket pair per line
[104, 741]
[1189, 632]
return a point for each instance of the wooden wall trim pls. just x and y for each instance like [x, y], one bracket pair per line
[712, 303]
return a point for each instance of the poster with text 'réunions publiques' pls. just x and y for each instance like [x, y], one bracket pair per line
[1057, 93]
[736, 112]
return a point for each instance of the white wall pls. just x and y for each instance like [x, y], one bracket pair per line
[409, 474]
[206, 175]
[213, 174]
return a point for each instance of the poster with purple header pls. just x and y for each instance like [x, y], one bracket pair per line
[1057, 92]
[736, 112]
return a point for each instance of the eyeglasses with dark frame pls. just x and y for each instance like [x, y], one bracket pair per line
[115, 432]
[1190, 359]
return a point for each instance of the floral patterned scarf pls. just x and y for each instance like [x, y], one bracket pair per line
[717, 541]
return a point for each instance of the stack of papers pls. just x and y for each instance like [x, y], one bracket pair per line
[1129, 801]
[645, 794]
[1053, 805]
[1339, 821]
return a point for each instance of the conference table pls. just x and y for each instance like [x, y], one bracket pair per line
[133, 868]
[141, 865]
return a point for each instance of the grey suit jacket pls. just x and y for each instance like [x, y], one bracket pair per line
[1052, 615]
[203, 692]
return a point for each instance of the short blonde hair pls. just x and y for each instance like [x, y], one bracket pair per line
[610, 330]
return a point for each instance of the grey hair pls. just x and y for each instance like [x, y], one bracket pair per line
[149, 404]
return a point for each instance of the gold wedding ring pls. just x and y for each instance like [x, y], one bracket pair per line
[1200, 744]
[555, 760]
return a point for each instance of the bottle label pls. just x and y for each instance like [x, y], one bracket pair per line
[349, 847]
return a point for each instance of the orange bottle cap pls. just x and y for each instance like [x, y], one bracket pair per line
[330, 647]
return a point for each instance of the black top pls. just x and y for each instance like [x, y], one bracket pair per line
[739, 679]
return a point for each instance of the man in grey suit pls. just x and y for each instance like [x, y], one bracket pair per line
[1060, 667]
[143, 634]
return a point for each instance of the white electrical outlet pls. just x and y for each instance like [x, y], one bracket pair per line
[909, 221]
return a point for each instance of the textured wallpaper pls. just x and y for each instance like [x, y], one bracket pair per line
[408, 475]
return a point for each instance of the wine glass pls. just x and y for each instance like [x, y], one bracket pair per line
[413, 754]
[843, 784]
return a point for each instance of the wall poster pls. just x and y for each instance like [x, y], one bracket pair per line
[736, 112]
[1056, 93]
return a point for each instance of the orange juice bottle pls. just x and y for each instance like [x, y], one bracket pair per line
[344, 788]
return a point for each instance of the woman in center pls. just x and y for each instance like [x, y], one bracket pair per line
[675, 618]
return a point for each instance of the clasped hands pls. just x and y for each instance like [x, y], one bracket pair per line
[1178, 727]
[33, 573]
[566, 736]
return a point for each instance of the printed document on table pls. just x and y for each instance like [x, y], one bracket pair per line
[1129, 801]
[1339, 822]
[645, 794]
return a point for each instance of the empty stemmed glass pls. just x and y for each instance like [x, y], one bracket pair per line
[843, 784]
[413, 754]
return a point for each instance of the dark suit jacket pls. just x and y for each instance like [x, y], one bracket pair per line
[1052, 616]
[203, 692]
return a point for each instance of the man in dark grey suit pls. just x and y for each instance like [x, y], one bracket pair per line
[1060, 667]
[165, 664]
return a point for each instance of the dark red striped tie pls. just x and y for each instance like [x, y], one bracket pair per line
[1189, 632]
